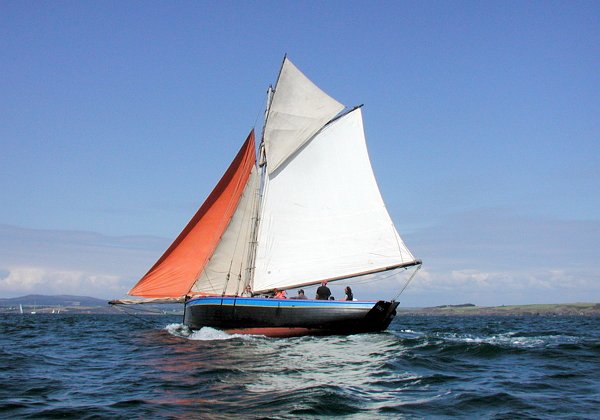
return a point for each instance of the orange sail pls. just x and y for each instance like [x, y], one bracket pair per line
[176, 271]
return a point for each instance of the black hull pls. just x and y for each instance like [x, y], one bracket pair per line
[288, 317]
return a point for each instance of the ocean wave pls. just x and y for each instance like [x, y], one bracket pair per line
[111, 366]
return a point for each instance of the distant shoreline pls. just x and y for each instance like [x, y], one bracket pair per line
[68, 304]
[568, 309]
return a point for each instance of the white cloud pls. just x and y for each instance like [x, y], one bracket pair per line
[488, 288]
[39, 280]
[22, 280]
[79, 263]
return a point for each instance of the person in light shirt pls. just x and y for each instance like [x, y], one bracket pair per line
[247, 292]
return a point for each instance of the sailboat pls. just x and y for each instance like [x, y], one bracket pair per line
[302, 209]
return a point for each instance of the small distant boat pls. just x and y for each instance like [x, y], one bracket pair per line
[20, 308]
[307, 209]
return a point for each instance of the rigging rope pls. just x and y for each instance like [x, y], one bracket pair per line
[407, 282]
[122, 309]
[373, 277]
[377, 277]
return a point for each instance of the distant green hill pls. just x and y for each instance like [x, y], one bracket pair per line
[589, 309]
[55, 300]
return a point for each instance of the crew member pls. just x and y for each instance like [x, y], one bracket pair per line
[323, 291]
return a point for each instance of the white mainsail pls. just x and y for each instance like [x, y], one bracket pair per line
[298, 110]
[323, 216]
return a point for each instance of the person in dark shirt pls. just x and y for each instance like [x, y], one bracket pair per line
[349, 295]
[323, 292]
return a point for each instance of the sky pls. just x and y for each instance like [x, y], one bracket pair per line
[117, 118]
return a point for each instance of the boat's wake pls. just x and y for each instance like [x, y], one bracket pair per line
[203, 334]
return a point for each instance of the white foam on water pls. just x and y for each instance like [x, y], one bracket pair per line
[408, 334]
[512, 339]
[203, 334]
[179, 330]
[209, 334]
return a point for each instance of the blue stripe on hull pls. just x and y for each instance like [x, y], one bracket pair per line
[280, 303]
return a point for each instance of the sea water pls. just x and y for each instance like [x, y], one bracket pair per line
[120, 366]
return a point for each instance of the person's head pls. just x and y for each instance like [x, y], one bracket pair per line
[248, 288]
[348, 289]
[324, 283]
[301, 292]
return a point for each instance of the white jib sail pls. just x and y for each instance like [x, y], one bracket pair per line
[298, 110]
[229, 262]
[323, 216]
